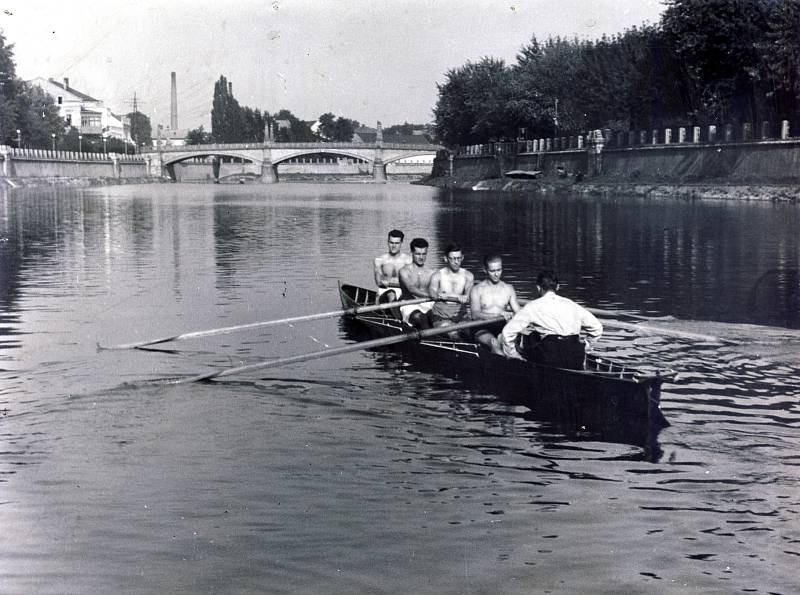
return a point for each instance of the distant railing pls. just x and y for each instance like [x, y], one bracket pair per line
[292, 145]
[615, 139]
[48, 155]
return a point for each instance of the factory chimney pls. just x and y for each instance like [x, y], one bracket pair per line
[173, 104]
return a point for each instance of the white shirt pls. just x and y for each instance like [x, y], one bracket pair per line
[551, 314]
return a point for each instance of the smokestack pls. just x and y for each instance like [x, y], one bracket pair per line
[66, 83]
[173, 103]
[230, 89]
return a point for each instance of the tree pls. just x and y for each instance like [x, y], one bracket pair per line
[141, 131]
[781, 55]
[336, 129]
[226, 115]
[36, 116]
[298, 130]
[473, 104]
[24, 107]
[718, 40]
[198, 136]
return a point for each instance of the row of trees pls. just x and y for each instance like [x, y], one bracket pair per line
[30, 118]
[234, 123]
[706, 61]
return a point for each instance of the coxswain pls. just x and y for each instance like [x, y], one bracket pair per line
[547, 330]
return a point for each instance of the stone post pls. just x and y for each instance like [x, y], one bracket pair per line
[712, 133]
[667, 136]
[728, 133]
[548, 144]
[747, 131]
[681, 134]
[580, 141]
[784, 129]
[269, 175]
[695, 134]
[766, 133]
[620, 141]
[8, 164]
[642, 137]
[596, 143]
[655, 137]
[541, 145]
[450, 162]
[116, 165]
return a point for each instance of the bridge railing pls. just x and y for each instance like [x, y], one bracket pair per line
[320, 146]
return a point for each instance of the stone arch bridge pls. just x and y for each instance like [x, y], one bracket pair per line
[269, 155]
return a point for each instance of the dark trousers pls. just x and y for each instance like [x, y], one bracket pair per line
[553, 350]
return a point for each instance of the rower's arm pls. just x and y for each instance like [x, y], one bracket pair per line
[475, 309]
[512, 301]
[511, 331]
[378, 271]
[407, 284]
[591, 326]
[433, 286]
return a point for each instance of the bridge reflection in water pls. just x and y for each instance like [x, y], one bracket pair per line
[266, 157]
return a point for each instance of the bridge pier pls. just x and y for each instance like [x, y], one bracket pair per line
[269, 172]
[378, 171]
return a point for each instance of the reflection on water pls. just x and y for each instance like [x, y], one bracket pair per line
[366, 473]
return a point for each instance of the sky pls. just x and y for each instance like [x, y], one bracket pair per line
[367, 60]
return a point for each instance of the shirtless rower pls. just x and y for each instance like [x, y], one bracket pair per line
[490, 298]
[414, 281]
[450, 287]
[387, 266]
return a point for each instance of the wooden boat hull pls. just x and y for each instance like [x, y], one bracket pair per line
[603, 397]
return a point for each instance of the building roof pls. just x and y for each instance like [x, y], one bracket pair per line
[72, 90]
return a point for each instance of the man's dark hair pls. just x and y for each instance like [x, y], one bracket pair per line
[453, 247]
[491, 257]
[396, 233]
[418, 243]
[547, 280]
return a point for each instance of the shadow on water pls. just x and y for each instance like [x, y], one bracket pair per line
[557, 419]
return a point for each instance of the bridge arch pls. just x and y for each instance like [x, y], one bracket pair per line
[306, 152]
[168, 159]
[388, 160]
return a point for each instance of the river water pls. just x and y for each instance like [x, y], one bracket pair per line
[362, 473]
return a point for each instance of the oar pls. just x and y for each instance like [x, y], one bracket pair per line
[252, 325]
[417, 335]
[642, 328]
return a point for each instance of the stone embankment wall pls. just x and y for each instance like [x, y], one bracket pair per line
[659, 156]
[36, 163]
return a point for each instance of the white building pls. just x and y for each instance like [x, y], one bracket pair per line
[87, 114]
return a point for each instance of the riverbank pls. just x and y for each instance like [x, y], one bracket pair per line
[599, 187]
[77, 181]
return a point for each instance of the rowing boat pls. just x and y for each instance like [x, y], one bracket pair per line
[604, 394]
